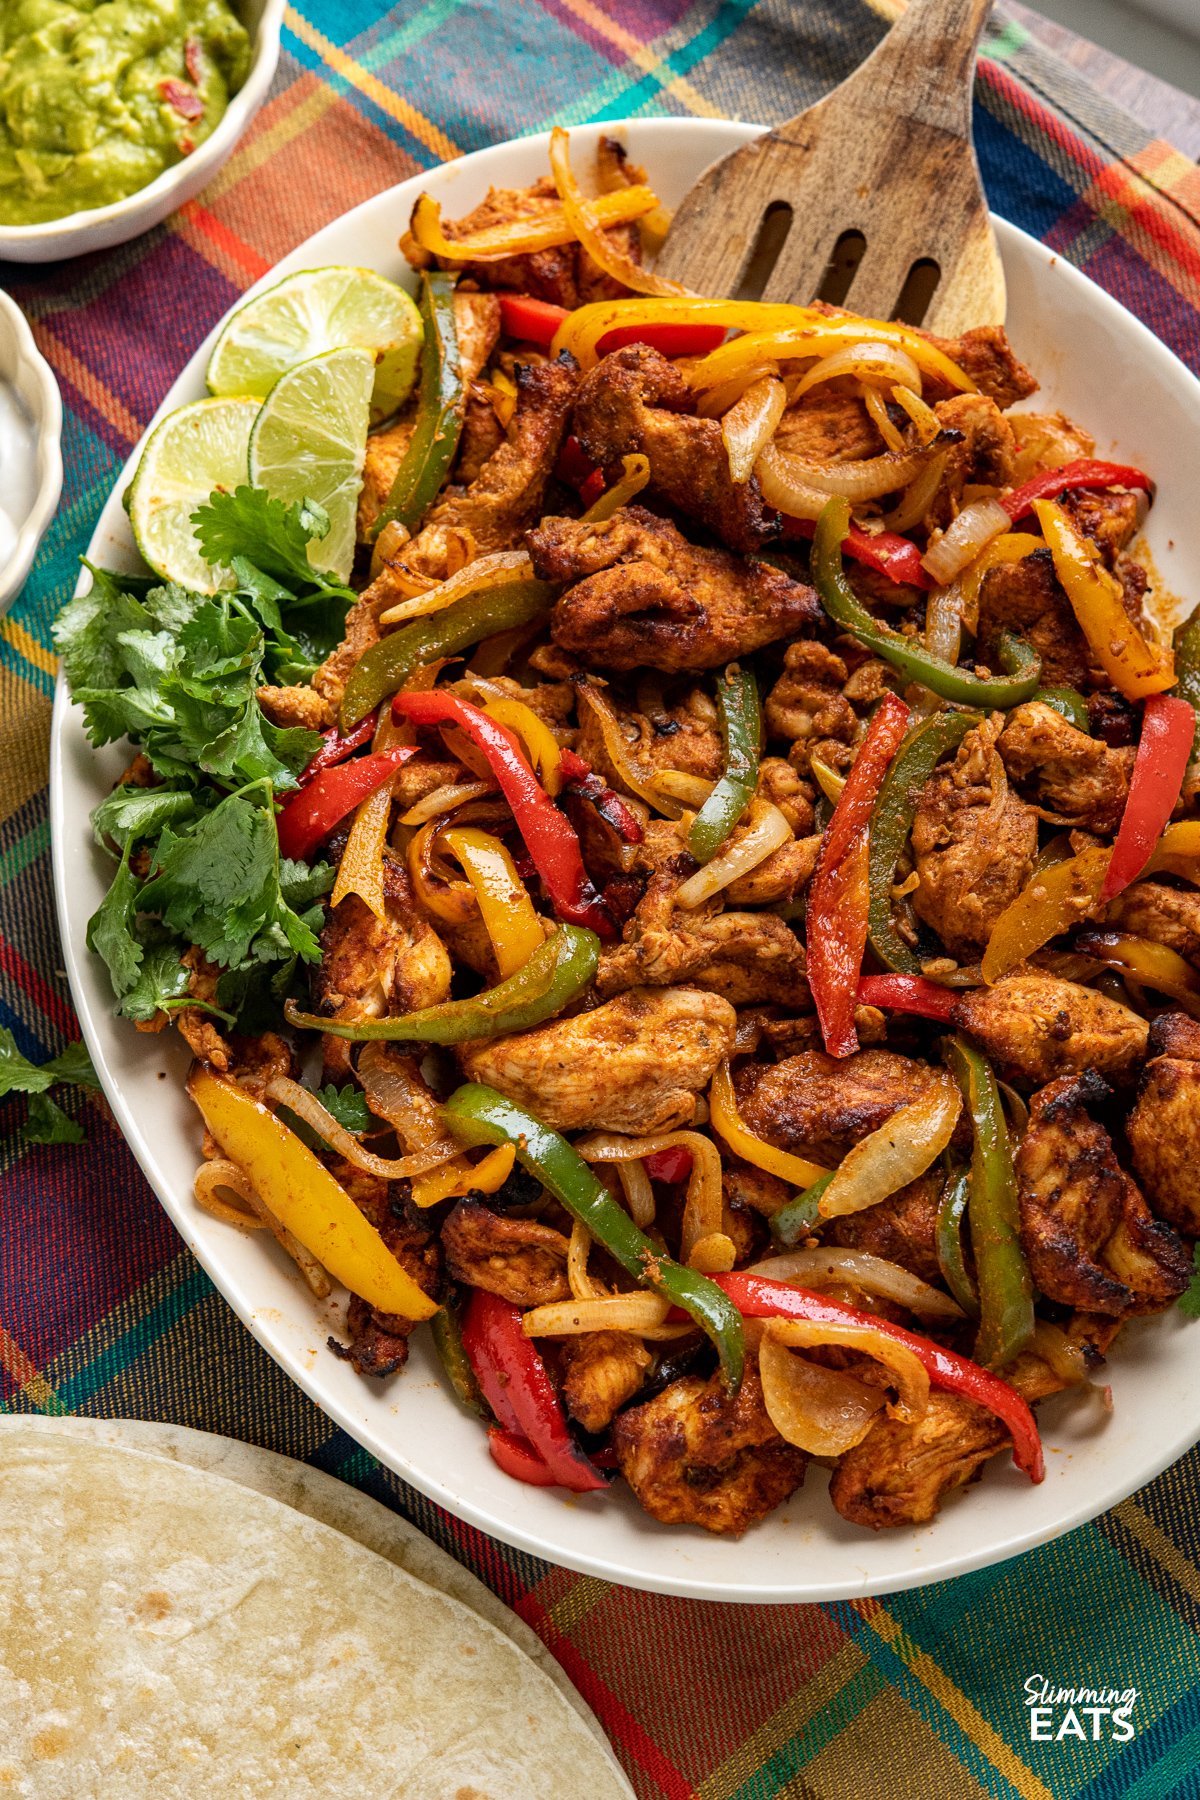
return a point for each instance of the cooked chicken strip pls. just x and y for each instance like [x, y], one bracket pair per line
[1090, 1238]
[973, 844]
[1167, 915]
[822, 1105]
[379, 1341]
[902, 1229]
[1075, 778]
[1038, 1027]
[1164, 1126]
[635, 1064]
[637, 401]
[693, 1456]
[520, 1260]
[296, 706]
[601, 1370]
[643, 597]
[372, 966]
[980, 450]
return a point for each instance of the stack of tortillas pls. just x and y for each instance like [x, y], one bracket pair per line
[177, 1633]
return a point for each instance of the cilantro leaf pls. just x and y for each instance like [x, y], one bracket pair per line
[1189, 1301]
[251, 525]
[347, 1104]
[73, 1066]
[17, 1074]
[130, 814]
[47, 1123]
[163, 978]
[112, 929]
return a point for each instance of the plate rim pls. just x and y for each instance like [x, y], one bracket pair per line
[724, 134]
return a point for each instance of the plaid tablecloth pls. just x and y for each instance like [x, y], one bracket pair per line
[102, 1311]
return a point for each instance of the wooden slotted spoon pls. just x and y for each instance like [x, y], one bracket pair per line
[877, 182]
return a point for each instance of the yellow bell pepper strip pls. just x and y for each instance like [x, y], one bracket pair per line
[741, 730]
[537, 737]
[386, 665]
[1177, 852]
[587, 225]
[441, 408]
[1053, 900]
[1001, 1271]
[838, 895]
[522, 237]
[361, 868]
[820, 338]
[299, 1190]
[450, 1180]
[479, 1115]
[559, 969]
[1152, 965]
[507, 911]
[1163, 752]
[1135, 668]
[727, 1122]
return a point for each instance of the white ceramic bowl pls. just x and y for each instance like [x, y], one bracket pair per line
[1101, 367]
[102, 226]
[25, 370]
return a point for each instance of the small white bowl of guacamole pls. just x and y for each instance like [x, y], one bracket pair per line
[30, 449]
[113, 113]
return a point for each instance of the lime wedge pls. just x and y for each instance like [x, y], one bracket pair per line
[316, 310]
[194, 450]
[308, 443]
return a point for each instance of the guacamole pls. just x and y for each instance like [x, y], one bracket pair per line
[99, 97]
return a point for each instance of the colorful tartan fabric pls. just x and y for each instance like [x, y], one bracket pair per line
[101, 1309]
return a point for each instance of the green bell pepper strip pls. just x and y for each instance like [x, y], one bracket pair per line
[386, 666]
[1187, 670]
[479, 1115]
[1069, 702]
[441, 408]
[1005, 1289]
[1020, 664]
[446, 1326]
[949, 1242]
[550, 980]
[741, 729]
[891, 823]
[801, 1215]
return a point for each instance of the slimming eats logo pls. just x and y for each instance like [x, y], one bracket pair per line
[1057, 1713]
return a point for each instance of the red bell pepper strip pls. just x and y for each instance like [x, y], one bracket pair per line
[582, 779]
[533, 321]
[537, 321]
[517, 1388]
[519, 1459]
[1164, 751]
[312, 813]
[1085, 473]
[906, 994]
[838, 897]
[889, 554]
[549, 835]
[758, 1298]
[674, 1164]
[573, 466]
[335, 748]
[591, 489]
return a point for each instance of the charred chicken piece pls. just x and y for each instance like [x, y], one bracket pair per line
[973, 841]
[1090, 1238]
[902, 1229]
[643, 597]
[634, 1064]
[1076, 779]
[601, 1370]
[694, 1456]
[900, 1473]
[379, 1341]
[1164, 1126]
[1038, 1027]
[636, 401]
[1166, 915]
[821, 1106]
[522, 1261]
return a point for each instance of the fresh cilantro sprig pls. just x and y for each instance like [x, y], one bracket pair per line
[249, 527]
[347, 1104]
[1189, 1301]
[46, 1122]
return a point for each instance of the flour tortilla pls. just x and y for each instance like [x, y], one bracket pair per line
[167, 1634]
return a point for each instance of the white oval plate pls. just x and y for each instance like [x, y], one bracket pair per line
[1103, 368]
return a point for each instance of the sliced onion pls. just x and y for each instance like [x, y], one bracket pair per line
[822, 1411]
[582, 1285]
[675, 784]
[582, 219]
[750, 423]
[1067, 1360]
[395, 1092]
[495, 570]
[919, 496]
[828, 780]
[877, 410]
[702, 1210]
[642, 1313]
[869, 361]
[638, 779]
[900, 1150]
[228, 1175]
[919, 411]
[910, 1377]
[943, 622]
[211, 1177]
[863, 479]
[717, 401]
[783, 488]
[1018, 1111]
[639, 1193]
[306, 1106]
[767, 830]
[445, 799]
[875, 1275]
[961, 542]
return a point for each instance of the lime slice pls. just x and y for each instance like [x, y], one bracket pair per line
[316, 310]
[308, 443]
[201, 447]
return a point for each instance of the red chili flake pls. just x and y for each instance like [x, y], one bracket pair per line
[193, 58]
[181, 98]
